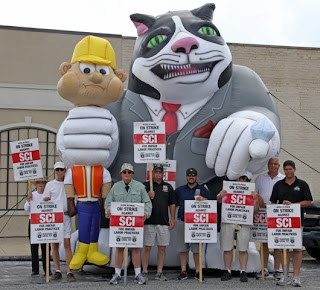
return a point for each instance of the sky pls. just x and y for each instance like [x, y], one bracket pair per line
[270, 22]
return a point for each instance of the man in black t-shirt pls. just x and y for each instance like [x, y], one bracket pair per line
[157, 226]
[287, 191]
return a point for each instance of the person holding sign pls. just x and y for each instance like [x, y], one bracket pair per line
[128, 190]
[55, 191]
[288, 191]
[192, 190]
[264, 186]
[157, 226]
[37, 196]
[227, 236]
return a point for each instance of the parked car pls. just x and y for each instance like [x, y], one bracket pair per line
[311, 230]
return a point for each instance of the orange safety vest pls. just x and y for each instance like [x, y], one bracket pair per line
[80, 180]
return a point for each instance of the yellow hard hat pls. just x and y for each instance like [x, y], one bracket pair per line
[94, 49]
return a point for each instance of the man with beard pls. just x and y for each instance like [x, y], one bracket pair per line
[292, 190]
[192, 190]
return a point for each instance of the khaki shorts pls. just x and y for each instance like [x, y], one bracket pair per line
[67, 227]
[181, 246]
[227, 237]
[156, 232]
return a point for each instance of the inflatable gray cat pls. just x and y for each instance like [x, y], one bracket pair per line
[220, 117]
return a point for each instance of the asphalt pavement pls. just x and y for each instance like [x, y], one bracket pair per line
[16, 274]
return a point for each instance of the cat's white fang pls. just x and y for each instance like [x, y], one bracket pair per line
[161, 65]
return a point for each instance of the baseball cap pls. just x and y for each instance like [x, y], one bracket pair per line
[58, 164]
[127, 166]
[248, 174]
[192, 170]
[158, 165]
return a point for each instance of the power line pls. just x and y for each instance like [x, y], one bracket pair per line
[295, 112]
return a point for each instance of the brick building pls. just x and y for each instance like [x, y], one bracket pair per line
[30, 106]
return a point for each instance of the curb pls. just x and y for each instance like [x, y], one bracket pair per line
[16, 258]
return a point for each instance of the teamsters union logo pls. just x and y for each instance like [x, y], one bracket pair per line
[276, 240]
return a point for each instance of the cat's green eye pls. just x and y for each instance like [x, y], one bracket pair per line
[155, 41]
[207, 30]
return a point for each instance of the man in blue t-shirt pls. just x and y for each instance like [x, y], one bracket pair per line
[192, 190]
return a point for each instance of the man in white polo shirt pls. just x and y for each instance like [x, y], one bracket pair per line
[264, 186]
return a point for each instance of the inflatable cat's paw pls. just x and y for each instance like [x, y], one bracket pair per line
[243, 141]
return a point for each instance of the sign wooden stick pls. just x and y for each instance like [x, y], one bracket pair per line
[125, 280]
[47, 262]
[235, 242]
[29, 187]
[200, 262]
[285, 265]
[262, 259]
[150, 177]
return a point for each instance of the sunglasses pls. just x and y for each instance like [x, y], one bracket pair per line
[127, 172]
[59, 169]
[244, 178]
[40, 182]
[191, 174]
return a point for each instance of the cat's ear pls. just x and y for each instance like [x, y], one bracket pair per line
[205, 12]
[142, 22]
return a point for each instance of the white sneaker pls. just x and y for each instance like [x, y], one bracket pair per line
[266, 274]
[296, 282]
[277, 275]
[115, 279]
[283, 281]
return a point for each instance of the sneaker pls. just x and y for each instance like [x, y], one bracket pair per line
[115, 279]
[243, 276]
[57, 276]
[283, 281]
[197, 276]
[277, 275]
[140, 279]
[70, 277]
[296, 282]
[145, 276]
[266, 274]
[226, 276]
[160, 276]
[183, 275]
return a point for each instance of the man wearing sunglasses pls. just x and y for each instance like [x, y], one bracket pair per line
[128, 190]
[191, 191]
[157, 226]
[54, 190]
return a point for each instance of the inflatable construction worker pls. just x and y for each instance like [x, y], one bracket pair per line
[87, 136]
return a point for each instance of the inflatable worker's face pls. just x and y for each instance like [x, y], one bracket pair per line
[85, 84]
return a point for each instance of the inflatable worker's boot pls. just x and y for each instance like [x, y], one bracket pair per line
[95, 257]
[79, 257]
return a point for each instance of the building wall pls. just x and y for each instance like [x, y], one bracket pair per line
[32, 60]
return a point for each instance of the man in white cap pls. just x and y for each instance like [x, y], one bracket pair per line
[243, 236]
[54, 190]
[128, 190]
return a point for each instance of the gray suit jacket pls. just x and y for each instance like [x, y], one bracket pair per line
[244, 91]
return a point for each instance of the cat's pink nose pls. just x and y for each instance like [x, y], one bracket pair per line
[185, 45]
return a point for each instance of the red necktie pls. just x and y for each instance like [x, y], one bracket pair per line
[170, 117]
